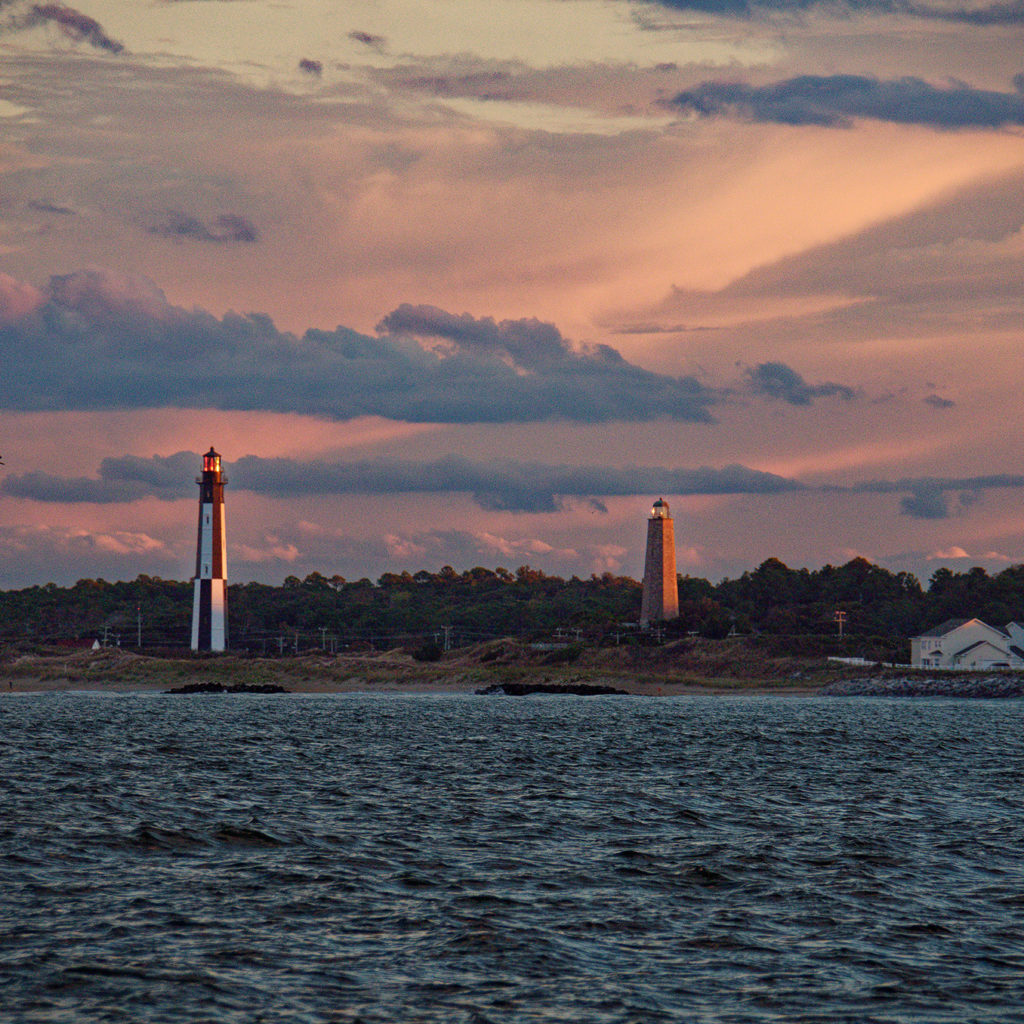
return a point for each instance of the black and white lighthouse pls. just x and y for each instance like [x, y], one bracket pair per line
[210, 602]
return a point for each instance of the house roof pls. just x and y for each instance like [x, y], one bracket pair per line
[950, 625]
[945, 627]
[976, 644]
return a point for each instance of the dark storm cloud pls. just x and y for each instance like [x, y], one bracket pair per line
[312, 67]
[106, 342]
[1008, 13]
[925, 503]
[228, 227]
[166, 476]
[121, 479]
[929, 497]
[782, 383]
[504, 485]
[836, 100]
[532, 343]
[74, 24]
[46, 487]
[592, 384]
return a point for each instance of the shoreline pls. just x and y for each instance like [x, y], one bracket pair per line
[680, 668]
[631, 688]
[674, 668]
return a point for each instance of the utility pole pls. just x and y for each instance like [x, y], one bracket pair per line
[840, 618]
[447, 637]
[138, 623]
[323, 638]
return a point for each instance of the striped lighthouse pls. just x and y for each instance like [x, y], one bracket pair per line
[210, 602]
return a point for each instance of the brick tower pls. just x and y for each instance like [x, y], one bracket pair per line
[661, 588]
[210, 602]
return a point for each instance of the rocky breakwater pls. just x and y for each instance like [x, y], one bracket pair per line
[527, 689]
[233, 688]
[980, 686]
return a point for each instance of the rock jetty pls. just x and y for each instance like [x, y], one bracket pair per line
[525, 689]
[928, 686]
[234, 688]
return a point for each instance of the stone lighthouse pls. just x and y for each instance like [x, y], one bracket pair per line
[661, 588]
[210, 602]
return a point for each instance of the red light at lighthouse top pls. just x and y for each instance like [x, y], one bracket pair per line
[211, 462]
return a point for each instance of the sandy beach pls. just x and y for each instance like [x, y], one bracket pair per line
[673, 669]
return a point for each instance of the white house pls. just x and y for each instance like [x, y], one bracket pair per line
[969, 645]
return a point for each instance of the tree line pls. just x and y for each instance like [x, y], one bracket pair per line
[333, 613]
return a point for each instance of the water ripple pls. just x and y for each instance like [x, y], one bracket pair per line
[360, 858]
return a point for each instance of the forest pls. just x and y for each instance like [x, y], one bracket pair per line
[436, 610]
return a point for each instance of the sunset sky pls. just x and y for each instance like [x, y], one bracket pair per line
[472, 283]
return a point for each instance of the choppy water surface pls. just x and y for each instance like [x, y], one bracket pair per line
[361, 858]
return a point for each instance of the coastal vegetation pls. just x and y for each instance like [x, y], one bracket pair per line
[676, 666]
[429, 612]
[773, 629]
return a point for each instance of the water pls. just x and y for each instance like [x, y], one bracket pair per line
[470, 859]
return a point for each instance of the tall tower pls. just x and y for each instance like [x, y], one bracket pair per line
[661, 588]
[210, 602]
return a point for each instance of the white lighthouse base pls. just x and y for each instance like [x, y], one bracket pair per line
[209, 619]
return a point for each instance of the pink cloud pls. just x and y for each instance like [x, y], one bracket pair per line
[954, 551]
[17, 299]
[97, 292]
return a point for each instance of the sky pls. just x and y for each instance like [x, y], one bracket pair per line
[462, 283]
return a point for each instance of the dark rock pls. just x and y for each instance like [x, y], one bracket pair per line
[234, 688]
[525, 689]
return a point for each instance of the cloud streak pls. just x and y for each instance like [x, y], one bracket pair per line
[837, 101]
[782, 383]
[74, 24]
[227, 227]
[503, 485]
[367, 39]
[1010, 12]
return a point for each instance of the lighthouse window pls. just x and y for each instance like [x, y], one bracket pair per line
[207, 520]
[206, 568]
